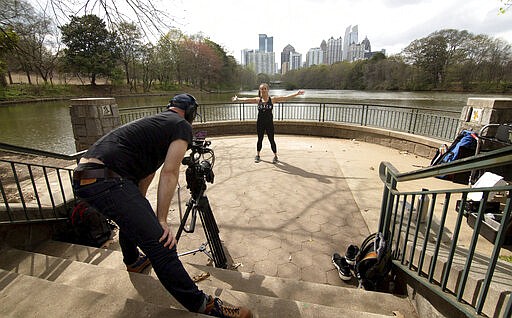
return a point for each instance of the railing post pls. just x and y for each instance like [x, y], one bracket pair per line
[413, 121]
[387, 205]
[92, 118]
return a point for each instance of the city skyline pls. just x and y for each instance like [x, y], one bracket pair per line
[389, 24]
[262, 59]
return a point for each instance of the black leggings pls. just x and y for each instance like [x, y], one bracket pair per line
[265, 125]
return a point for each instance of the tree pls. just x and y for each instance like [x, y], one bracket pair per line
[430, 55]
[8, 40]
[91, 49]
[33, 50]
[148, 66]
[199, 63]
[130, 49]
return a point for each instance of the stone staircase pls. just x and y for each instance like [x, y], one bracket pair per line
[57, 279]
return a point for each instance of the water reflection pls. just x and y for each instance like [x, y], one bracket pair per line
[47, 125]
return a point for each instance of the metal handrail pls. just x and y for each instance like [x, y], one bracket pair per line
[428, 122]
[46, 198]
[37, 152]
[409, 234]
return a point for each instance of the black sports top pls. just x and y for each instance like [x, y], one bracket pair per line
[137, 149]
[265, 110]
[263, 107]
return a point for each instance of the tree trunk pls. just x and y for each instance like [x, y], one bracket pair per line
[28, 77]
[3, 82]
[10, 77]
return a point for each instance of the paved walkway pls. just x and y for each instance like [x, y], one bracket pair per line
[288, 219]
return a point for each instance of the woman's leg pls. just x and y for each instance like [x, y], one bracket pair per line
[270, 134]
[260, 129]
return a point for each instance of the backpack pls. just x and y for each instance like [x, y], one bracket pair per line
[90, 227]
[373, 262]
[463, 146]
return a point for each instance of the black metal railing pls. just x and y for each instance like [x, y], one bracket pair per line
[428, 249]
[439, 124]
[32, 191]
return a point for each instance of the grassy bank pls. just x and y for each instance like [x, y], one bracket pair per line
[25, 92]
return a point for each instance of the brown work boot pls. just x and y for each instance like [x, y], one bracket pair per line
[216, 308]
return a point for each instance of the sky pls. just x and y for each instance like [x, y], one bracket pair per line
[388, 24]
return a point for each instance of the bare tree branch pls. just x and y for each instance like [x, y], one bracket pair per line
[147, 14]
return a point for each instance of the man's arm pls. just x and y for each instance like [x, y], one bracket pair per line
[167, 183]
[144, 184]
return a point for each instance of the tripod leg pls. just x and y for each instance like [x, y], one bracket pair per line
[211, 231]
[190, 204]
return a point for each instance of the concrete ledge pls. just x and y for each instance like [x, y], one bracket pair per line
[418, 145]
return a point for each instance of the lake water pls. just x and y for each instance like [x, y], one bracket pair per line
[47, 125]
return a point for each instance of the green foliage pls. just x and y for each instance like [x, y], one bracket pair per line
[8, 40]
[91, 48]
[26, 91]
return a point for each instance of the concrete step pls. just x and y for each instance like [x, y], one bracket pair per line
[322, 294]
[146, 288]
[27, 296]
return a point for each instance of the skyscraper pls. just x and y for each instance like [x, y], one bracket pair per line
[285, 54]
[266, 43]
[334, 50]
[323, 47]
[295, 60]
[351, 37]
[315, 56]
[263, 59]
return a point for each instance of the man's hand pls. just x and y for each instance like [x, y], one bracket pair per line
[168, 236]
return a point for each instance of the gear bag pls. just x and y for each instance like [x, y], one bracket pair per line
[90, 227]
[373, 262]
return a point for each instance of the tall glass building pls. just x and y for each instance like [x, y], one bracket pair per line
[266, 43]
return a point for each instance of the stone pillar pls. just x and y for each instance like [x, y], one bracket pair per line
[92, 118]
[482, 111]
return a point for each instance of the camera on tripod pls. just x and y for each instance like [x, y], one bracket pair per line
[199, 171]
[200, 165]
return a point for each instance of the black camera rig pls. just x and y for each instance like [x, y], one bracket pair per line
[199, 171]
[200, 165]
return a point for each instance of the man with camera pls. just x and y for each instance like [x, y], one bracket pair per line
[114, 175]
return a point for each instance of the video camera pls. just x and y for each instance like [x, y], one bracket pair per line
[200, 164]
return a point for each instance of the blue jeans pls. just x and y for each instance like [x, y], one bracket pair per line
[121, 201]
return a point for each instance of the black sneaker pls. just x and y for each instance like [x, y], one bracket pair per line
[351, 254]
[342, 266]
[215, 307]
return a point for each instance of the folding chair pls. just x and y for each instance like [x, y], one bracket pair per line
[491, 137]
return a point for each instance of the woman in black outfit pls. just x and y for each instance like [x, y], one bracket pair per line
[265, 122]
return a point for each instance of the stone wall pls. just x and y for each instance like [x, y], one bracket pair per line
[92, 118]
[418, 145]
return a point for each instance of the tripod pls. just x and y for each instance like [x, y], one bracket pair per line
[198, 203]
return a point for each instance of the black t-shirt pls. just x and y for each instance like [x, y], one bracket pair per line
[137, 149]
